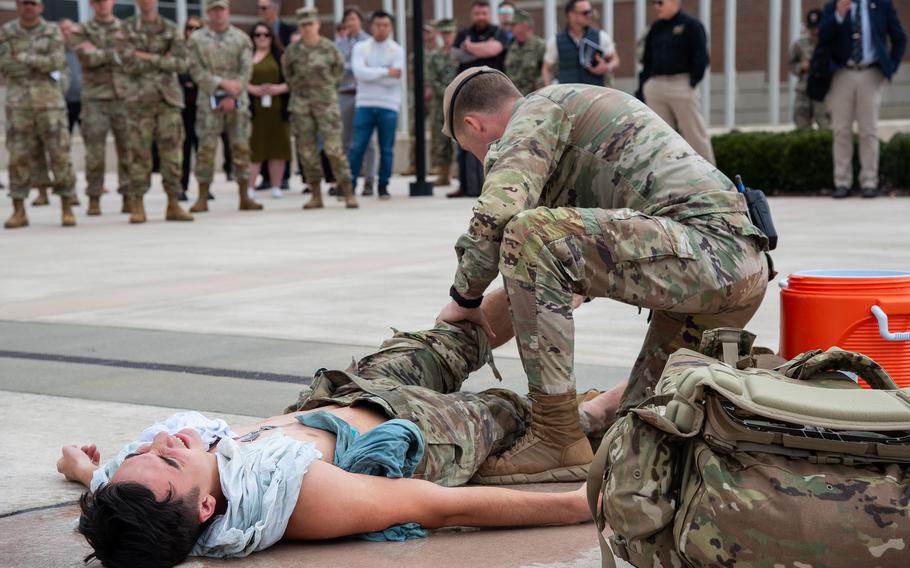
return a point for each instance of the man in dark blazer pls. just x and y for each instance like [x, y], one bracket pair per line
[866, 42]
[269, 11]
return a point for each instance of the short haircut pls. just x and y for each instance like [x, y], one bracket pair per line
[381, 14]
[480, 4]
[352, 10]
[482, 93]
[127, 527]
[570, 5]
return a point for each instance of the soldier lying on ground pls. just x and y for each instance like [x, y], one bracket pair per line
[394, 414]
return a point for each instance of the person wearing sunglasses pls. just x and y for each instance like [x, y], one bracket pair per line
[673, 64]
[581, 52]
[32, 60]
[104, 87]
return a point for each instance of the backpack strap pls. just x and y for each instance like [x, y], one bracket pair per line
[597, 482]
[808, 365]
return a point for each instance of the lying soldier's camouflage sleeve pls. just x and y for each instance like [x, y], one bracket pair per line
[517, 168]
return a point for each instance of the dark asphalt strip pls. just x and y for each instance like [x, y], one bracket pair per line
[166, 367]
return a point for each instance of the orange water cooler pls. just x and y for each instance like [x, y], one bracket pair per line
[867, 311]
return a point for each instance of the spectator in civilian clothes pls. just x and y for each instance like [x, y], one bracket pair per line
[580, 53]
[270, 142]
[188, 113]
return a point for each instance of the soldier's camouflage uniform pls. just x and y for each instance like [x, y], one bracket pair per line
[417, 377]
[313, 74]
[154, 102]
[440, 72]
[524, 62]
[589, 192]
[805, 110]
[215, 56]
[104, 91]
[33, 62]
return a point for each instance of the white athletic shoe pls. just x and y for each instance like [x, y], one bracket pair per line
[276, 193]
[251, 193]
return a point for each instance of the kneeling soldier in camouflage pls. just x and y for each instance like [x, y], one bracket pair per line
[31, 58]
[589, 192]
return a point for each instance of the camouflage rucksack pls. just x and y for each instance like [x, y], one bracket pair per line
[731, 465]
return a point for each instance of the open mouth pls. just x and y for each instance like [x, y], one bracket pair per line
[183, 440]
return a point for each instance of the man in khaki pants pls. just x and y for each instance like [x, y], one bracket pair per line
[857, 33]
[674, 63]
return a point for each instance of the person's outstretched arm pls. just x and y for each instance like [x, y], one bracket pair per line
[78, 464]
[334, 503]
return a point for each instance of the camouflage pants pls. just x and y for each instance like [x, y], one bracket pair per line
[209, 126]
[441, 149]
[32, 132]
[805, 110]
[98, 117]
[161, 123]
[417, 376]
[323, 119]
[693, 276]
[39, 176]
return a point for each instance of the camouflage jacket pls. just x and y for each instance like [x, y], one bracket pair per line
[440, 71]
[156, 79]
[215, 56]
[587, 146]
[33, 62]
[524, 62]
[313, 73]
[801, 52]
[103, 73]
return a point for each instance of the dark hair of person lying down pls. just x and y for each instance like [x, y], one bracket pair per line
[127, 527]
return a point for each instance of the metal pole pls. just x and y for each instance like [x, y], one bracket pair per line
[494, 12]
[729, 63]
[774, 23]
[704, 14]
[387, 6]
[608, 17]
[450, 12]
[310, 3]
[180, 8]
[439, 9]
[796, 15]
[420, 186]
[401, 24]
[640, 18]
[549, 18]
[338, 9]
[85, 11]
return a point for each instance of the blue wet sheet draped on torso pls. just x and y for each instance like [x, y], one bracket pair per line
[392, 449]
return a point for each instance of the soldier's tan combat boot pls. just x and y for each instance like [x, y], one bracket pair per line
[202, 202]
[137, 209]
[553, 449]
[315, 201]
[174, 212]
[347, 191]
[442, 179]
[67, 217]
[42, 198]
[247, 204]
[18, 218]
[74, 200]
[94, 205]
[127, 203]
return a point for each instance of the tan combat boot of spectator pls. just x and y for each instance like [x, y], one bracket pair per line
[94, 205]
[202, 202]
[127, 204]
[137, 209]
[42, 198]
[247, 204]
[174, 212]
[554, 448]
[74, 200]
[67, 217]
[315, 201]
[347, 190]
[18, 218]
[442, 179]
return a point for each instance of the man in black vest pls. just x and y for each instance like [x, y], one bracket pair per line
[580, 53]
[673, 64]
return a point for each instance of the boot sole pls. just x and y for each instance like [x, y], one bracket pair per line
[558, 475]
[16, 226]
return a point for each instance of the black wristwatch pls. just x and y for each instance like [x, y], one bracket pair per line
[465, 302]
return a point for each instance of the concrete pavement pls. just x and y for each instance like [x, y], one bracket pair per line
[106, 327]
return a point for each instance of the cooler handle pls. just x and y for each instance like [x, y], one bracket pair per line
[882, 318]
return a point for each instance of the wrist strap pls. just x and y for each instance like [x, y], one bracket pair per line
[464, 302]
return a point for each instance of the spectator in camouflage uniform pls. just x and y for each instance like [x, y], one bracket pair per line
[429, 44]
[313, 68]
[524, 59]
[221, 64]
[589, 192]
[805, 110]
[98, 43]
[153, 54]
[31, 58]
[441, 69]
